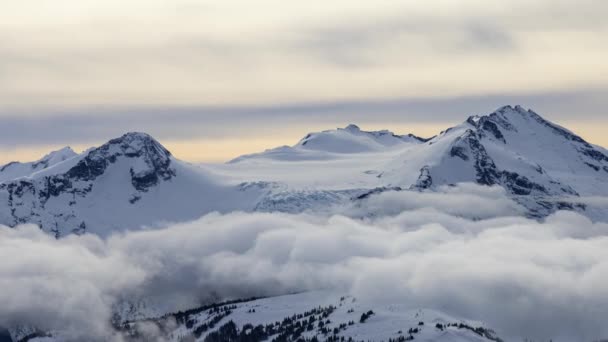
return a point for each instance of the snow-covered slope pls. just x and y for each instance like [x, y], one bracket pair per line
[351, 139]
[540, 164]
[309, 316]
[325, 145]
[320, 315]
[15, 170]
[133, 181]
[129, 182]
[517, 149]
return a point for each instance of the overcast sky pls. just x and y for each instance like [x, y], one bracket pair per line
[215, 79]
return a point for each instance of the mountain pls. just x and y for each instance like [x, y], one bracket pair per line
[129, 182]
[133, 181]
[352, 139]
[519, 150]
[309, 316]
[320, 315]
[325, 145]
[542, 165]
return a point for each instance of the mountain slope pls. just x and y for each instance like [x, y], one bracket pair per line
[519, 150]
[321, 316]
[133, 181]
[126, 183]
[15, 170]
[352, 139]
[328, 144]
[309, 316]
[541, 165]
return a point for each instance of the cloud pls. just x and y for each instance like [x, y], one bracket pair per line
[51, 283]
[92, 71]
[362, 43]
[94, 125]
[235, 52]
[465, 200]
[522, 277]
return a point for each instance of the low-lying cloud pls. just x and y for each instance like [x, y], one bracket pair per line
[521, 277]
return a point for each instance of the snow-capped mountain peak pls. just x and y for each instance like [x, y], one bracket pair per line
[129, 182]
[152, 160]
[351, 139]
[137, 143]
[519, 150]
[58, 156]
[519, 119]
[335, 143]
[351, 128]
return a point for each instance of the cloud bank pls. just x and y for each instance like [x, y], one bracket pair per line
[116, 52]
[522, 277]
[208, 133]
[187, 70]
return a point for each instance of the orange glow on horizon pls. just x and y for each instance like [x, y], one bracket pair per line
[225, 149]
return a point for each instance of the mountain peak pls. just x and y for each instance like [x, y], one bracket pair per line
[505, 113]
[133, 138]
[352, 128]
[512, 109]
[518, 119]
[67, 150]
[151, 160]
[53, 158]
[507, 117]
[134, 144]
[58, 155]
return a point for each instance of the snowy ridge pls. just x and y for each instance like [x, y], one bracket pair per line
[132, 177]
[351, 139]
[522, 152]
[133, 182]
[312, 316]
[332, 143]
[541, 165]
[517, 149]
[15, 170]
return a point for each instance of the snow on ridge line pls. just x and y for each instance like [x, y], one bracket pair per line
[14, 170]
[535, 161]
[321, 315]
[331, 144]
[129, 182]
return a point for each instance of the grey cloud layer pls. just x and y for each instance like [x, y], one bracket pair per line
[234, 69]
[522, 277]
[95, 125]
